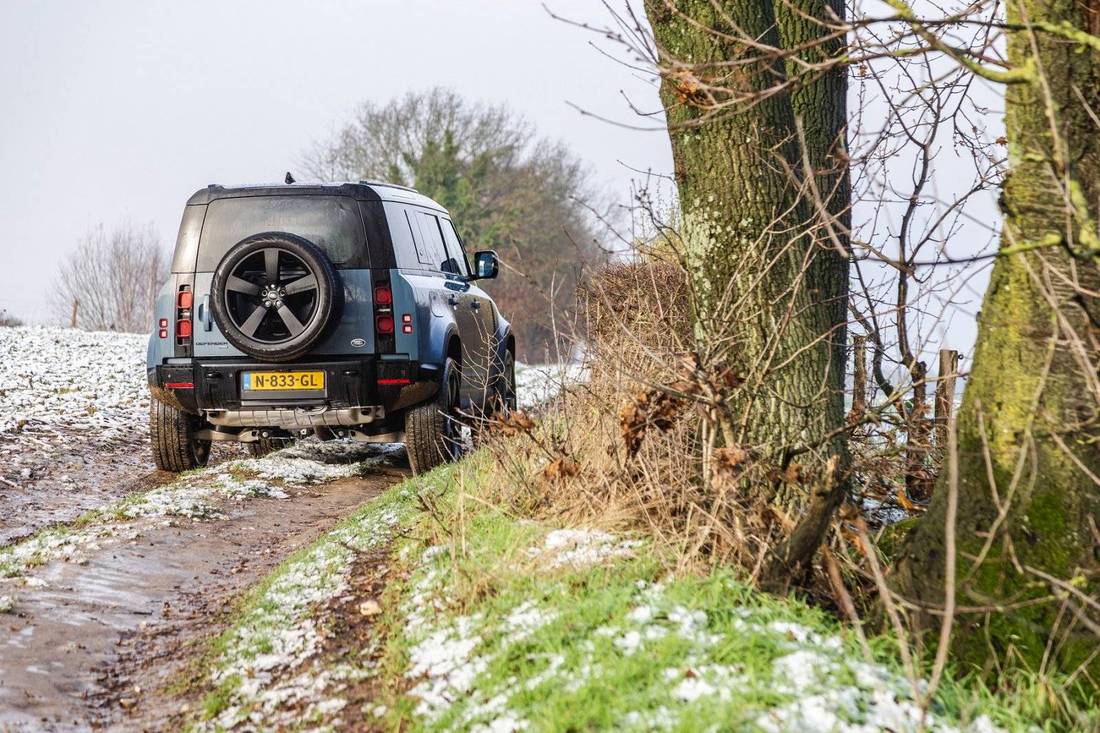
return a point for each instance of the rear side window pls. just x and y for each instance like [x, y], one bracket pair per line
[187, 243]
[433, 253]
[333, 223]
[418, 241]
[404, 244]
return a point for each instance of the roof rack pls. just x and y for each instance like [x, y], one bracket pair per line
[391, 185]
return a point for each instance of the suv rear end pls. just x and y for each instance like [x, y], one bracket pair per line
[287, 315]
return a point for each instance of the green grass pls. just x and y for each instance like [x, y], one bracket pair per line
[574, 672]
[501, 634]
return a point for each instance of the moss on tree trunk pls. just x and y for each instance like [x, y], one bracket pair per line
[1029, 389]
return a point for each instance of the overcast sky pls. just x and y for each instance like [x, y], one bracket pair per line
[118, 111]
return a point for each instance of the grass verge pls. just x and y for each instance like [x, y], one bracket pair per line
[496, 622]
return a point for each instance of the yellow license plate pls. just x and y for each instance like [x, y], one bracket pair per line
[283, 381]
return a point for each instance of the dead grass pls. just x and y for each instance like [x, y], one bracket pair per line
[637, 445]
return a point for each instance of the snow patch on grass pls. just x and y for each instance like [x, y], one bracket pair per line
[581, 548]
[59, 544]
[686, 660]
[443, 659]
[268, 673]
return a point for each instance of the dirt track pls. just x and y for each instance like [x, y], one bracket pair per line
[67, 483]
[85, 650]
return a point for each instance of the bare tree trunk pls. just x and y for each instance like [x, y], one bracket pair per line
[1028, 426]
[769, 280]
[746, 227]
[819, 101]
[76, 308]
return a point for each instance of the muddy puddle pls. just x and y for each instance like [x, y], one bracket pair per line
[58, 483]
[89, 649]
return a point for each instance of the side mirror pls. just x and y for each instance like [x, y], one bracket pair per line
[486, 265]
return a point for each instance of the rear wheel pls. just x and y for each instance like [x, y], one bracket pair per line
[433, 431]
[506, 387]
[174, 436]
[264, 446]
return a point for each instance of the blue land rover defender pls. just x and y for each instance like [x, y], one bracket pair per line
[346, 310]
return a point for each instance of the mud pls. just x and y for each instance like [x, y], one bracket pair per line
[97, 646]
[357, 632]
[49, 482]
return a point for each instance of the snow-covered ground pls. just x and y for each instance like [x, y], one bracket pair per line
[73, 422]
[537, 383]
[55, 380]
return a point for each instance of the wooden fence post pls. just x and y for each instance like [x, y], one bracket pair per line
[919, 480]
[859, 378]
[945, 394]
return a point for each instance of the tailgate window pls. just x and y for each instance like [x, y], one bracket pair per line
[333, 223]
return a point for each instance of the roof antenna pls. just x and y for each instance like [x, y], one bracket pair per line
[289, 178]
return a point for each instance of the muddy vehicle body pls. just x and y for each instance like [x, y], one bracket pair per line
[346, 310]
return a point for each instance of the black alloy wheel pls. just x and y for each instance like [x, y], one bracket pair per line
[274, 296]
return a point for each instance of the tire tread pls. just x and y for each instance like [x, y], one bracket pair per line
[170, 435]
[425, 430]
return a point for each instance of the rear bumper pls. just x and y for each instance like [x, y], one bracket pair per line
[368, 388]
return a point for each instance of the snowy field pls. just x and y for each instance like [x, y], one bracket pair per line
[61, 380]
[66, 395]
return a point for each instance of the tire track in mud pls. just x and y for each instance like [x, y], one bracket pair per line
[85, 651]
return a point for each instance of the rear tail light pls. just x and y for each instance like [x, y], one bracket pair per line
[184, 300]
[383, 315]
